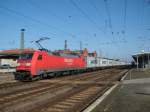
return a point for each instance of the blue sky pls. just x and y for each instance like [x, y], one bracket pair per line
[114, 28]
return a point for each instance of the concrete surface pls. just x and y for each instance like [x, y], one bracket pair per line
[138, 74]
[137, 81]
[99, 100]
[130, 96]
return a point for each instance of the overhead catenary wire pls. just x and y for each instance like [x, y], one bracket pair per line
[34, 20]
[38, 6]
[124, 18]
[125, 13]
[98, 13]
[113, 42]
[124, 21]
[108, 14]
[94, 6]
[86, 15]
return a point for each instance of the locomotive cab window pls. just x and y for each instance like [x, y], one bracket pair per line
[40, 57]
[26, 56]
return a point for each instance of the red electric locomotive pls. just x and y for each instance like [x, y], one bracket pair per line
[41, 63]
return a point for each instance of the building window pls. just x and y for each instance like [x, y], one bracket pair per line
[103, 62]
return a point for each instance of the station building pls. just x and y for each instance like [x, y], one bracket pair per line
[10, 57]
[142, 60]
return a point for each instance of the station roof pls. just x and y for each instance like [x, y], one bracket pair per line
[16, 51]
[13, 53]
[141, 54]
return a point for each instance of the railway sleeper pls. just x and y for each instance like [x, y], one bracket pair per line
[74, 100]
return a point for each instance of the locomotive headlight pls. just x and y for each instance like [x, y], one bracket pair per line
[28, 64]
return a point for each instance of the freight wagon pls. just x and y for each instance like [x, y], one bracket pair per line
[92, 62]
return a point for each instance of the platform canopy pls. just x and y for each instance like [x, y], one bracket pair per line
[13, 53]
[142, 59]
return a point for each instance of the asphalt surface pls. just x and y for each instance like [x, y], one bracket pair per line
[132, 95]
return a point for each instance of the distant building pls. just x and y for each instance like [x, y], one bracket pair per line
[83, 52]
[10, 62]
[142, 60]
[9, 57]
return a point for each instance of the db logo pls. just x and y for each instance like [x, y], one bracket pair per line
[68, 60]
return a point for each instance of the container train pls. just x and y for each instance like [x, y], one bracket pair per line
[39, 64]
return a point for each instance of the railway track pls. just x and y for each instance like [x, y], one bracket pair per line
[74, 100]
[102, 75]
[11, 84]
[10, 102]
[86, 76]
[63, 94]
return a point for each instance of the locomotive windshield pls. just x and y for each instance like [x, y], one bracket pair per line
[26, 56]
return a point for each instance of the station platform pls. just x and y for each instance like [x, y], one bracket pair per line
[131, 95]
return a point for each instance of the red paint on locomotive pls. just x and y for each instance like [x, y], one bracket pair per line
[39, 62]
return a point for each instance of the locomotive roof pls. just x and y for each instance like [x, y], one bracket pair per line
[64, 54]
